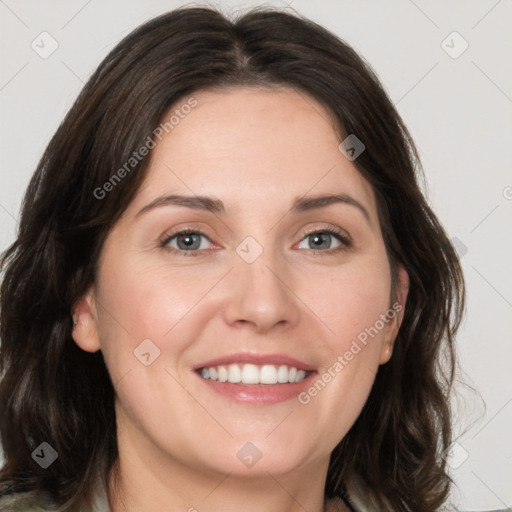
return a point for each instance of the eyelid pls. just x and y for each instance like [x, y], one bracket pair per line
[168, 236]
[341, 235]
[189, 227]
[344, 236]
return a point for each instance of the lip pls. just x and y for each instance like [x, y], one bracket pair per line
[258, 394]
[257, 359]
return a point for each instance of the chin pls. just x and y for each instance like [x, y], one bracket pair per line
[256, 458]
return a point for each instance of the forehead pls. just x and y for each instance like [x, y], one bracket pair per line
[246, 145]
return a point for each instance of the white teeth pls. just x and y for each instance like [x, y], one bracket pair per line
[222, 373]
[282, 374]
[234, 374]
[268, 374]
[252, 374]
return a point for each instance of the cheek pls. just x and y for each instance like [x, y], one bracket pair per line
[162, 307]
[136, 303]
[351, 305]
[352, 302]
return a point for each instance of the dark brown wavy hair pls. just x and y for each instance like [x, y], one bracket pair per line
[52, 391]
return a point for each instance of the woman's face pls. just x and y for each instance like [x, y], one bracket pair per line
[282, 265]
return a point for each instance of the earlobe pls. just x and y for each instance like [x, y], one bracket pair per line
[398, 308]
[385, 353]
[85, 329]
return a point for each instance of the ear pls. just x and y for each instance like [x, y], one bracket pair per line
[85, 328]
[396, 312]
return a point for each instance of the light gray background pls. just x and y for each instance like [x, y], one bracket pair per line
[459, 111]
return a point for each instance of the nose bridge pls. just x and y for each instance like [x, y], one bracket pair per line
[259, 293]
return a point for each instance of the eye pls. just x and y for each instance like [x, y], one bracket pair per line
[325, 240]
[187, 241]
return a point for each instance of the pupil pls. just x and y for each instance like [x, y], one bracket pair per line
[321, 240]
[188, 241]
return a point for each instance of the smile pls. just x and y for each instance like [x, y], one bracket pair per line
[251, 374]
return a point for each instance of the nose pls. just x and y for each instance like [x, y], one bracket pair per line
[260, 297]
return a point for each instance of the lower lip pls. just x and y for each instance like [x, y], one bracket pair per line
[258, 394]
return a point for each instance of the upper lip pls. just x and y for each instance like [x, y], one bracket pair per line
[257, 359]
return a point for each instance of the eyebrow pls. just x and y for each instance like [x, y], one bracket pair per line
[303, 204]
[216, 206]
[195, 202]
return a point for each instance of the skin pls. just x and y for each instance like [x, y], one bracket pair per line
[257, 150]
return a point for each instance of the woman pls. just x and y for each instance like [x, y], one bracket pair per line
[228, 291]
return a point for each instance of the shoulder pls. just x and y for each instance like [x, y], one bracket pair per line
[361, 502]
[32, 502]
[26, 502]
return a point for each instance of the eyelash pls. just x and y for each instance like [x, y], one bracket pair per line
[345, 241]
